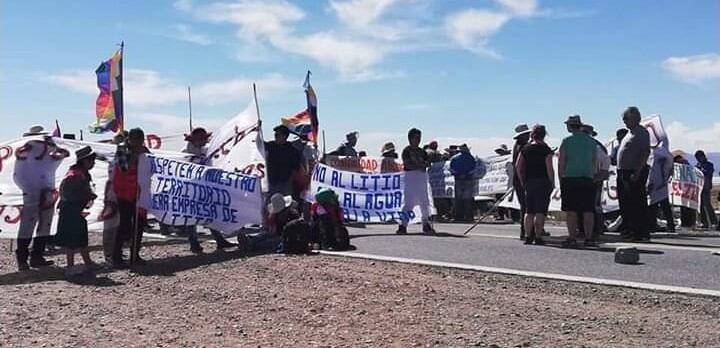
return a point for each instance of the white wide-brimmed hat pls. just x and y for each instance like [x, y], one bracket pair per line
[278, 203]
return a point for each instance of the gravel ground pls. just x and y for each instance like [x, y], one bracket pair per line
[230, 299]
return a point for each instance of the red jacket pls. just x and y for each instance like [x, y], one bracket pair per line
[125, 183]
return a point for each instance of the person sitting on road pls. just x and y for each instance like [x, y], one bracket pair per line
[327, 221]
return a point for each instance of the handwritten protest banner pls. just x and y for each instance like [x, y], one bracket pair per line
[373, 165]
[367, 198]
[183, 193]
[685, 186]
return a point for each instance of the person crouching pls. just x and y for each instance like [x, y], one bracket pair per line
[327, 221]
[76, 194]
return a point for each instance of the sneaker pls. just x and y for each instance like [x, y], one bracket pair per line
[428, 229]
[401, 229]
[39, 262]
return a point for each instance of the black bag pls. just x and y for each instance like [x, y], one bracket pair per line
[296, 237]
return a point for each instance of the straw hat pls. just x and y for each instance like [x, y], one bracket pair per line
[278, 203]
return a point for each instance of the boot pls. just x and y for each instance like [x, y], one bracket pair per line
[401, 229]
[39, 262]
[428, 229]
[21, 258]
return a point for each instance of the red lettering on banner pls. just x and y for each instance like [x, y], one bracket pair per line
[154, 142]
[5, 153]
[8, 218]
[253, 169]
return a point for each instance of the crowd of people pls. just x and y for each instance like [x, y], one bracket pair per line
[583, 165]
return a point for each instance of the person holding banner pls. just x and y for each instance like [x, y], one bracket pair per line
[660, 173]
[415, 192]
[632, 176]
[537, 176]
[196, 146]
[125, 185]
[34, 173]
[576, 168]
[76, 194]
[347, 148]
[707, 212]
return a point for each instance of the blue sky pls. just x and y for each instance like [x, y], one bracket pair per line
[463, 71]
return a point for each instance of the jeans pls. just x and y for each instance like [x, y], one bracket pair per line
[634, 205]
[128, 228]
[666, 209]
[707, 212]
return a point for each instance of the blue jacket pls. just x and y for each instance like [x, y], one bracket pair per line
[462, 165]
[707, 169]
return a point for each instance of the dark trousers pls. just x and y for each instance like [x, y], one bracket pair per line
[38, 248]
[687, 217]
[707, 212]
[520, 195]
[664, 207]
[127, 229]
[634, 206]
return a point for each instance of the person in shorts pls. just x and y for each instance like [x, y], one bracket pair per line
[576, 168]
[537, 177]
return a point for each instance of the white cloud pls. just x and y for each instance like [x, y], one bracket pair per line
[172, 124]
[471, 29]
[147, 88]
[255, 19]
[519, 7]
[184, 33]
[690, 139]
[694, 68]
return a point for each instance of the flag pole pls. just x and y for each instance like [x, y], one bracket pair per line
[190, 108]
[323, 134]
[122, 88]
[81, 135]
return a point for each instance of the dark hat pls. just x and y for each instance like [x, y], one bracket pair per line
[35, 130]
[198, 133]
[84, 152]
[574, 120]
[282, 129]
[352, 135]
[589, 129]
[136, 133]
[520, 130]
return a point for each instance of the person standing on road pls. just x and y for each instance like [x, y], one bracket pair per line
[462, 167]
[660, 173]
[522, 137]
[632, 176]
[576, 168]
[196, 146]
[415, 192]
[602, 173]
[283, 160]
[76, 193]
[707, 212]
[125, 185]
[537, 176]
[36, 163]
[348, 147]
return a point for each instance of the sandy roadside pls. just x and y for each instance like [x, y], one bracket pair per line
[226, 299]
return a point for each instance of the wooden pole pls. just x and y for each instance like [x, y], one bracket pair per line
[190, 108]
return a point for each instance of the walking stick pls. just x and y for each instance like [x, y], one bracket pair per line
[492, 209]
[135, 225]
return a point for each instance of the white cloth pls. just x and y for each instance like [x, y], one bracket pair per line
[660, 172]
[417, 193]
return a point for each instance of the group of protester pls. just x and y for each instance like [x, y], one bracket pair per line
[583, 165]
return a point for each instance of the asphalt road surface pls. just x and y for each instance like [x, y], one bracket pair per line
[684, 260]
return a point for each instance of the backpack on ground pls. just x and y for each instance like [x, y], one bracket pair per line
[296, 237]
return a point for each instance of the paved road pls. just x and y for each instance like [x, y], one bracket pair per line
[674, 260]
